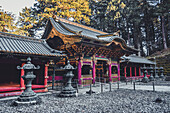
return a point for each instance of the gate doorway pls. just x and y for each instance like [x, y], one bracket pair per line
[101, 71]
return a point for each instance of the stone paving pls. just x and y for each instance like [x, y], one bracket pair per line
[123, 85]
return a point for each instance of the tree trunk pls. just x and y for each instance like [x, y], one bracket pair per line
[153, 37]
[141, 48]
[129, 39]
[163, 33]
[137, 36]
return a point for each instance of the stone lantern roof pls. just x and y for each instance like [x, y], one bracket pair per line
[69, 66]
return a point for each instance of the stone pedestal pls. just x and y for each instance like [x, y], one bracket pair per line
[68, 90]
[161, 72]
[151, 78]
[145, 78]
[156, 73]
[28, 96]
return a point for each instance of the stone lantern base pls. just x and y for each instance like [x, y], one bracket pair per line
[27, 100]
[161, 76]
[68, 93]
[151, 78]
[145, 79]
[156, 76]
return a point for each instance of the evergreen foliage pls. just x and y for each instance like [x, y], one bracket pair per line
[35, 18]
[6, 21]
[142, 23]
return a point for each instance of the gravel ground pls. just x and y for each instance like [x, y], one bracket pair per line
[117, 101]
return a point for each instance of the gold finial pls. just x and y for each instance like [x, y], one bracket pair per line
[116, 33]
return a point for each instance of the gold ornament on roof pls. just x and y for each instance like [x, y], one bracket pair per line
[116, 33]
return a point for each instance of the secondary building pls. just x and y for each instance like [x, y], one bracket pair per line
[14, 50]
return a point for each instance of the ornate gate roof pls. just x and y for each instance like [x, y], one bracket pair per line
[74, 33]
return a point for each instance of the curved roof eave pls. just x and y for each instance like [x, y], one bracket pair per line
[52, 24]
[137, 59]
[123, 43]
[11, 43]
[108, 40]
[72, 33]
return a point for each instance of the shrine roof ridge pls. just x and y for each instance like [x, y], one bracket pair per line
[19, 36]
[67, 27]
[79, 25]
[11, 43]
[137, 59]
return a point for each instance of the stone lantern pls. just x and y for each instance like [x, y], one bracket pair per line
[141, 71]
[161, 72]
[151, 78]
[68, 90]
[145, 78]
[28, 96]
[156, 72]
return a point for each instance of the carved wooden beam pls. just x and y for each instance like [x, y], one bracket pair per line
[69, 51]
[107, 53]
[89, 51]
[62, 47]
[80, 48]
[102, 51]
[97, 51]
[84, 48]
[75, 48]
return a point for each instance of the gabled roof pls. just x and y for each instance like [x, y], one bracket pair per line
[69, 28]
[11, 43]
[136, 59]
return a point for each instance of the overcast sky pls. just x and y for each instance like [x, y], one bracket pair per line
[15, 6]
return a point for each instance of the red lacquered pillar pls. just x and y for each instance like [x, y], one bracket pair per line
[118, 72]
[139, 72]
[110, 72]
[125, 71]
[130, 71]
[46, 76]
[79, 71]
[94, 72]
[21, 79]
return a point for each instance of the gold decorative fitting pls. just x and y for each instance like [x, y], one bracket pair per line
[81, 79]
[46, 76]
[46, 64]
[51, 62]
[116, 33]
[46, 86]
[79, 32]
[57, 20]
[22, 88]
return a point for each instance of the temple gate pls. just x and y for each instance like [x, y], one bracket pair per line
[95, 53]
